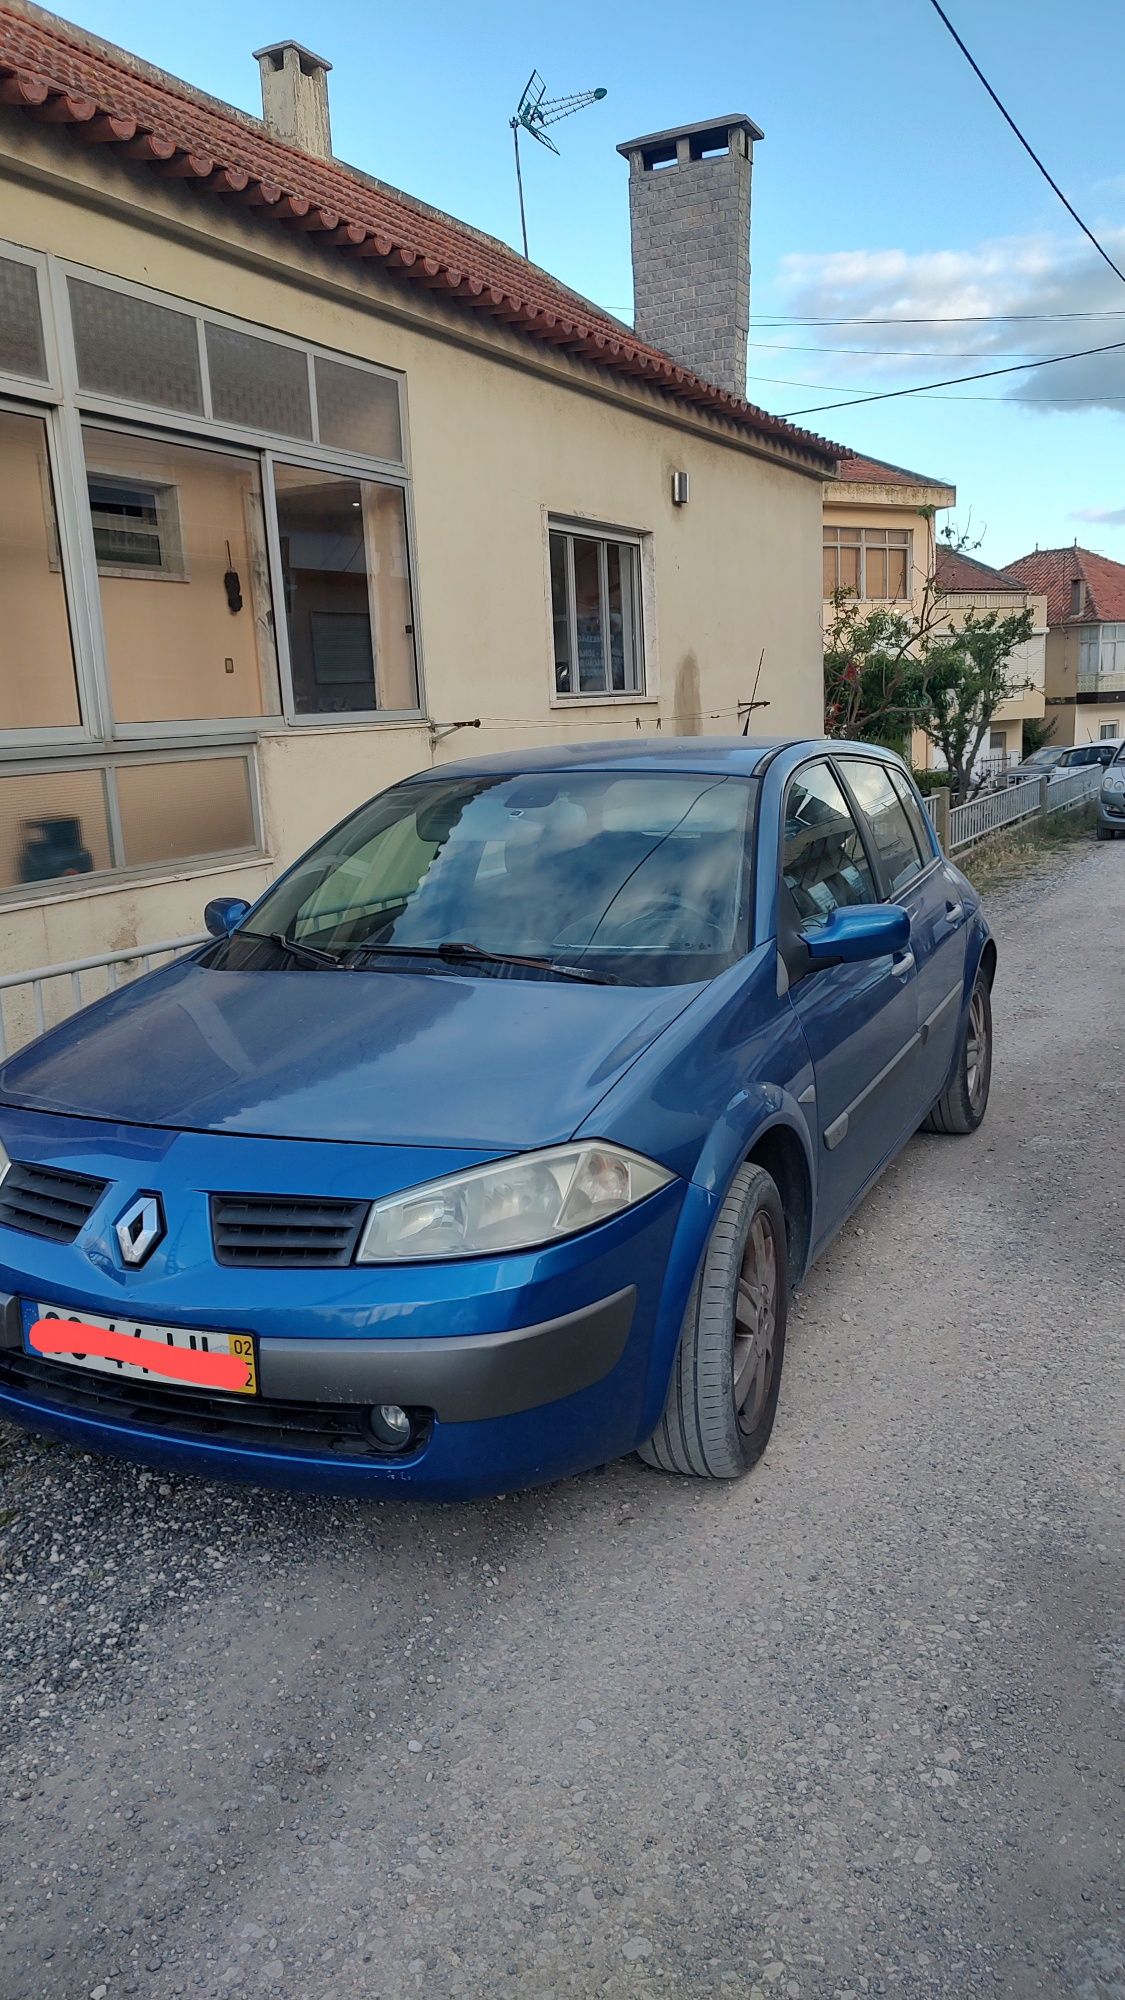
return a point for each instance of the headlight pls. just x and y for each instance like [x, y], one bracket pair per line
[1114, 781]
[513, 1204]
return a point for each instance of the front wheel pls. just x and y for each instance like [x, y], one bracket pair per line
[959, 1109]
[722, 1398]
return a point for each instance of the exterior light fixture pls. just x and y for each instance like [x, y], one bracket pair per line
[680, 489]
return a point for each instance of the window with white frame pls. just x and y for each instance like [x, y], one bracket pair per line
[873, 564]
[145, 443]
[1108, 732]
[596, 612]
[1101, 652]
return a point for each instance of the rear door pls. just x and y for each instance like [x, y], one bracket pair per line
[860, 1021]
[914, 875]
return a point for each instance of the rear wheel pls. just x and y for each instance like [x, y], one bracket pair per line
[1106, 832]
[959, 1109]
[722, 1398]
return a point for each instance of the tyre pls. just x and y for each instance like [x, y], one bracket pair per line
[960, 1108]
[1105, 832]
[722, 1398]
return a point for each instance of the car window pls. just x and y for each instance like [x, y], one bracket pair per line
[641, 875]
[824, 864]
[915, 812]
[883, 809]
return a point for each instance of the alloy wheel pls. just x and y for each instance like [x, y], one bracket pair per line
[755, 1324]
[976, 1050]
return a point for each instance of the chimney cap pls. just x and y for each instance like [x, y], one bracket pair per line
[736, 122]
[307, 58]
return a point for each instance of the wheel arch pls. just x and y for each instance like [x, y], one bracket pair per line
[988, 961]
[780, 1152]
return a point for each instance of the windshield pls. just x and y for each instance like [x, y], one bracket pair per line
[639, 876]
[1044, 756]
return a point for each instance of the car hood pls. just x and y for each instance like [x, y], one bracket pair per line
[385, 1057]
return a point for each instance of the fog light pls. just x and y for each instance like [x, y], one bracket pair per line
[390, 1426]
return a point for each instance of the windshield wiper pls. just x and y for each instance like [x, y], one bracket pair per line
[459, 950]
[307, 954]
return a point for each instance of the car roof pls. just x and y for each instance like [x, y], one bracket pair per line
[733, 756]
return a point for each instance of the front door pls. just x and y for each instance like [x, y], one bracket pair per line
[914, 876]
[860, 1022]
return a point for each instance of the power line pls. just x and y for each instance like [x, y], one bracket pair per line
[1029, 149]
[888, 353]
[954, 381]
[774, 320]
[840, 388]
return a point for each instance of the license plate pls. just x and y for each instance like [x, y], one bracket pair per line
[180, 1357]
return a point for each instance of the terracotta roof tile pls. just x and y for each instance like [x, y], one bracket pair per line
[57, 75]
[860, 471]
[954, 570]
[1051, 572]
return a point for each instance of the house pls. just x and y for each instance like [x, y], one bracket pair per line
[879, 533]
[967, 584]
[881, 546]
[1085, 670]
[301, 481]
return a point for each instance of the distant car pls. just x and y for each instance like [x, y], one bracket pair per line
[1111, 798]
[1039, 764]
[486, 1147]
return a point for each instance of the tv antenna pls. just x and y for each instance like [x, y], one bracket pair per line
[534, 112]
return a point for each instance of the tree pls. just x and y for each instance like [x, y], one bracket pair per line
[967, 674]
[888, 672]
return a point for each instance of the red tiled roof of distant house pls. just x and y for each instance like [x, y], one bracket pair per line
[953, 570]
[1051, 573]
[856, 470]
[72, 82]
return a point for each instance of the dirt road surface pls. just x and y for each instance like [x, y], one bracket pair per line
[852, 1727]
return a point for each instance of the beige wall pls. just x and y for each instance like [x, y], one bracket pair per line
[500, 436]
[1075, 722]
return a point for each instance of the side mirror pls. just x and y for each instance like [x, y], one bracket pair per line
[867, 930]
[224, 914]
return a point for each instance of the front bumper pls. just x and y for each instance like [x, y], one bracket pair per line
[517, 1370]
[1111, 811]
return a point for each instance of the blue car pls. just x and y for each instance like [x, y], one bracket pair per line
[487, 1146]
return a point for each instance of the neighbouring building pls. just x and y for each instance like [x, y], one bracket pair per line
[300, 479]
[967, 584]
[882, 547]
[1085, 672]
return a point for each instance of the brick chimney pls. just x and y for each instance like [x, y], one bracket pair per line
[689, 207]
[295, 96]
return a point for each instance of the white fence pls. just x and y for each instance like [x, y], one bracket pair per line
[30, 1002]
[989, 812]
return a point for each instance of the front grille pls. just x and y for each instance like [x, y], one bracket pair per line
[253, 1423]
[284, 1230]
[45, 1201]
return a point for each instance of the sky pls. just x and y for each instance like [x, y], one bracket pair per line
[887, 188]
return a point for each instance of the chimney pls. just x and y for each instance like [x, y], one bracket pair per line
[689, 208]
[295, 96]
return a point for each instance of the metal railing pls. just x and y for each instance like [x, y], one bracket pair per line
[991, 811]
[35, 1015]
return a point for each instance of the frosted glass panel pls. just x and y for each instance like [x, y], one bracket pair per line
[37, 686]
[358, 411]
[258, 383]
[127, 347]
[171, 812]
[52, 824]
[21, 336]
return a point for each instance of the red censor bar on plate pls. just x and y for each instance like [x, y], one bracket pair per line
[179, 1364]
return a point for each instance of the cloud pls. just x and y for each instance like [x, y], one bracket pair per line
[976, 289]
[1107, 517]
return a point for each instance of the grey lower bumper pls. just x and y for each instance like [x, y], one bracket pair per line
[462, 1379]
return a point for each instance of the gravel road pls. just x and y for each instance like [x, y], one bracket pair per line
[856, 1726]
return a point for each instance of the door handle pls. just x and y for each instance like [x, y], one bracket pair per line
[902, 963]
[955, 912]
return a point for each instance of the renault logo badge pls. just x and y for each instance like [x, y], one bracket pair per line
[140, 1228]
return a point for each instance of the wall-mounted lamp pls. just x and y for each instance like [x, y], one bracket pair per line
[680, 489]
